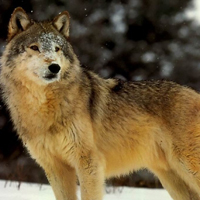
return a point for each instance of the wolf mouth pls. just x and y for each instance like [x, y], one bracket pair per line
[50, 76]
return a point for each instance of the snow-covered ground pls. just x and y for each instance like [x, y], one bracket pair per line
[12, 191]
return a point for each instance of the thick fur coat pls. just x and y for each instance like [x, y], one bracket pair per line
[76, 124]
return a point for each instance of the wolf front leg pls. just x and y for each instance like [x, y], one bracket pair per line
[62, 179]
[90, 171]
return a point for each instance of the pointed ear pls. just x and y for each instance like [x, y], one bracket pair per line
[61, 23]
[19, 22]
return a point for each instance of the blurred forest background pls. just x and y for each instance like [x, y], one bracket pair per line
[126, 39]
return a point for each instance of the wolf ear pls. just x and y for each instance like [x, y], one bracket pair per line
[19, 22]
[61, 22]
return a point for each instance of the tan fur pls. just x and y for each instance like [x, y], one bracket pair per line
[82, 125]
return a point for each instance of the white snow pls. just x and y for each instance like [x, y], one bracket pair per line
[29, 191]
[194, 12]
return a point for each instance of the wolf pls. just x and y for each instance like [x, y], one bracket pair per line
[76, 124]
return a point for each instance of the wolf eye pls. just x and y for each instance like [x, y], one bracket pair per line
[34, 48]
[57, 49]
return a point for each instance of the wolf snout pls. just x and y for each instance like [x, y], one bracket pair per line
[52, 73]
[54, 68]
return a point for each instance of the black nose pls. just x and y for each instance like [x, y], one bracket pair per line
[54, 68]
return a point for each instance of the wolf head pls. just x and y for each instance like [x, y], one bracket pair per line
[38, 51]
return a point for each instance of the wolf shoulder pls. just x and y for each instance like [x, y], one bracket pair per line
[148, 96]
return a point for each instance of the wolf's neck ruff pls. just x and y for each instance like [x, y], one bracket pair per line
[47, 104]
